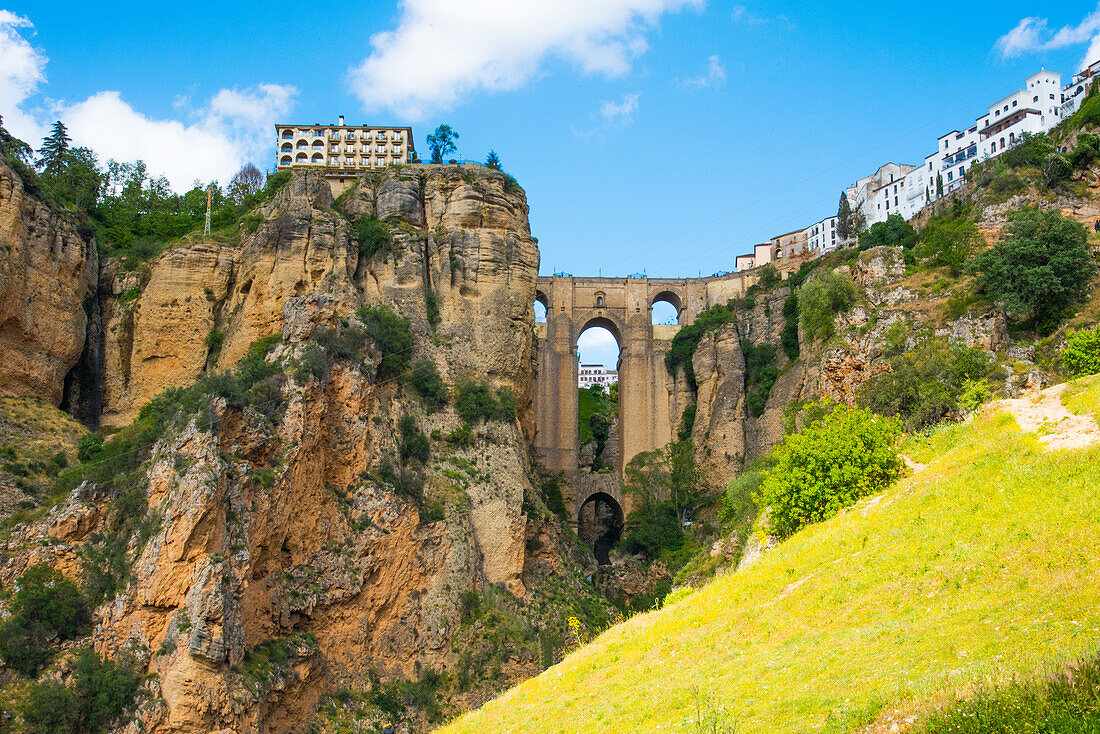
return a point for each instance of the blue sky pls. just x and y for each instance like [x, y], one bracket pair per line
[664, 136]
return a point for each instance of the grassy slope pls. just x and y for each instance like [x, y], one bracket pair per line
[980, 566]
[31, 432]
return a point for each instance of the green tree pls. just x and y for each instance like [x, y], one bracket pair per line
[844, 217]
[13, 146]
[1039, 270]
[493, 161]
[246, 183]
[894, 232]
[47, 607]
[949, 242]
[51, 708]
[442, 143]
[54, 150]
[850, 453]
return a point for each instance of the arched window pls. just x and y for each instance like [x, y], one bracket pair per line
[302, 145]
[287, 147]
[285, 160]
[318, 158]
[599, 300]
[301, 158]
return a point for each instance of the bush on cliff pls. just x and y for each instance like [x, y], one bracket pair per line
[924, 385]
[393, 336]
[373, 237]
[687, 339]
[428, 385]
[476, 401]
[821, 299]
[1082, 353]
[1039, 270]
[848, 454]
[47, 608]
[101, 692]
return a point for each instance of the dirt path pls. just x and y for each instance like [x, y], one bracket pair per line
[1043, 413]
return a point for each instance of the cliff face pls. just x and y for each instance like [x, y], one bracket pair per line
[47, 271]
[280, 533]
[728, 436]
[460, 239]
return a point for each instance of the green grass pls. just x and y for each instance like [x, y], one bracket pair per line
[1083, 396]
[978, 569]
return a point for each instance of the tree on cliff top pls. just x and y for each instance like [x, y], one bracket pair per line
[13, 146]
[442, 142]
[54, 150]
[246, 182]
[493, 160]
[844, 217]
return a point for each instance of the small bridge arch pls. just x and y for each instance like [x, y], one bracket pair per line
[600, 520]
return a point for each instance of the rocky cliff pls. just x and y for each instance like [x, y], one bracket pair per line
[283, 548]
[48, 274]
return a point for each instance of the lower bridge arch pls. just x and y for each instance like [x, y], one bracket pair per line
[600, 524]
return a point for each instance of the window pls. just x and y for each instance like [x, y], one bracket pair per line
[950, 176]
[1013, 103]
[1035, 98]
[1052, 96]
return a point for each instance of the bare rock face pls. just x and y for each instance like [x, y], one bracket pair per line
[460, 241]
[46, 272]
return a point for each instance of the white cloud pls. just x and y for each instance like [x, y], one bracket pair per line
[715, 76]
[22, 70]
[1032, 35]
[236, 125]
[620, 113]
[741, 14]
[443, 51]
[597, 345]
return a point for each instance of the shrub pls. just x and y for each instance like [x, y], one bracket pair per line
[687, 339]
[431, 307]
[949, 242]
[737, 503]
[760, 375]
[769, 277]
[476, 402]
[462, 436]
[50, 708]
[894, 232]
[1040, 269]
[414, 444]
[652, 528]
[924, 384]
[392, 335]
[89, 446]
[848, 454]
[214, 341]
[374, 238]
[405, 482]
[687, 422]
[1082, 353]
[821, 299]
[975, 393]
[46, 607]
[789, 337]
[104, 688]
[426, 383]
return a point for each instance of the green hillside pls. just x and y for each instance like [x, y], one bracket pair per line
[980, 566]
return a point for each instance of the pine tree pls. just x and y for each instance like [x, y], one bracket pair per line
[54, 150]
[844, 217]
[493, 160]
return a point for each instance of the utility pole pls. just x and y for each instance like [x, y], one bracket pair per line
[206, 229]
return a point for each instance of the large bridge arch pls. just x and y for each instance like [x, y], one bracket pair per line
[649, 404]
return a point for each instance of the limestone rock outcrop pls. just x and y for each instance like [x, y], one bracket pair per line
[47, 272]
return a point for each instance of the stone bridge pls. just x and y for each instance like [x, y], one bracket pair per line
[647, 410]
